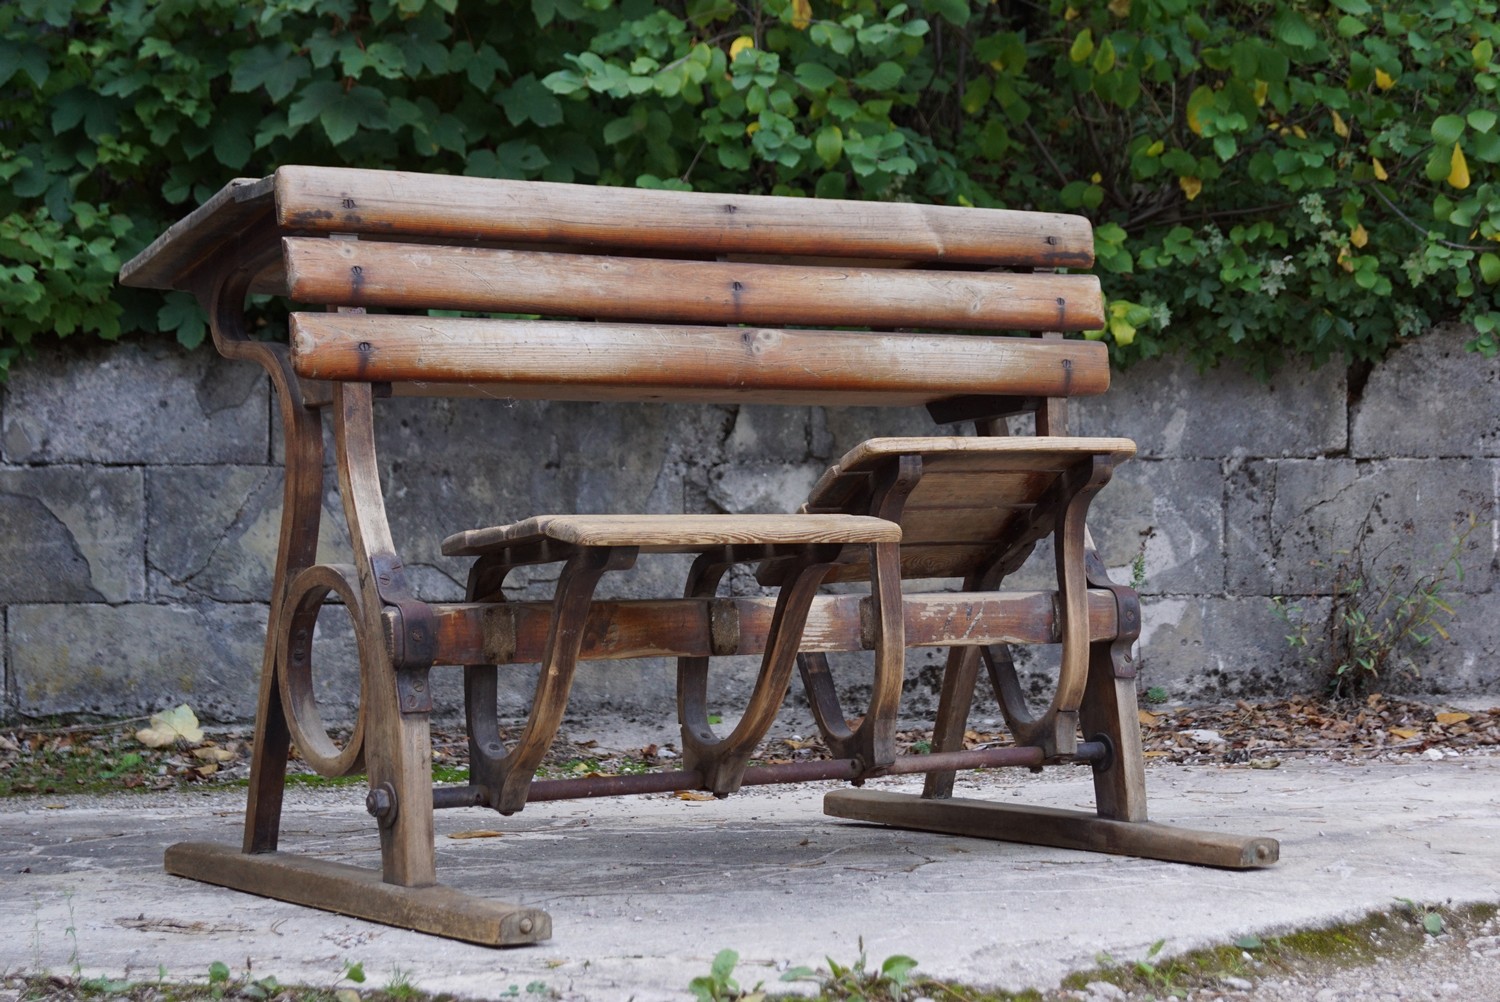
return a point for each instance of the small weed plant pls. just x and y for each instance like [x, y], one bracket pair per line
[855, 982]
[1381, 609]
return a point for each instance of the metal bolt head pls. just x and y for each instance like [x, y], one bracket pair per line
[378, 802]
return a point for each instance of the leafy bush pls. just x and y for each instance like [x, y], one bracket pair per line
[1268, 181]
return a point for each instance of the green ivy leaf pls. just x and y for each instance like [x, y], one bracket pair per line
[882, 77]
[182, 316]
[1489, 267]
[16, 56]
[530, 100]
[1447, 129]
[1481, 119]
[829, 144]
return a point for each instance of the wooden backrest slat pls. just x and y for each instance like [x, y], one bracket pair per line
[395, 203]
[372, 273]
[609, 361]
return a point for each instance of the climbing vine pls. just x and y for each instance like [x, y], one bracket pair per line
[1268, 181]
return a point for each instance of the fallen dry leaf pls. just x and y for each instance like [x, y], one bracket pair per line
[1451, 718]
[1405, 733]
[169, 725]
[213, 755]
[477, 833]
[1147, 718]
[692, 795]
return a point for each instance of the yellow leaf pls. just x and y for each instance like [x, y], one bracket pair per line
[1405, 733]
[1119, 8]
[1340, 127]
[1155, 149]
[801, 14]
[1096, 178]
[476, 833]
[1458, 175]
[1201, 99]
[213, 755]
[1190, 186]
[1380, 174]
[752, 128]
[1451, 718]
[1261, 90]
[1147, 718]
[1345, 261]
[1360, 236]
[1384, 80]
[740, 45]
[169, 725]
[692, 795]
[1071, 14]
[1299, 132]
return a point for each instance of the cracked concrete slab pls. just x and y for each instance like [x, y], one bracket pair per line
[644, 891]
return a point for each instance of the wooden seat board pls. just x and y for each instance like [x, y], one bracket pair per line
[370, 273]
[395, 203]
[603, 361]
[674, 533]
[958, 452]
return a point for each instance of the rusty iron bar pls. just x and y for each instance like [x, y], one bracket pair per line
[790, 772]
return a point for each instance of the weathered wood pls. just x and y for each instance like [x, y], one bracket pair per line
[169, 261]
[369, 273]
[395, 203]
[677, 297]
[515, 632]
[1052, 827]
[356, 891]
[611, 361]
[399, 743]
[674, 533]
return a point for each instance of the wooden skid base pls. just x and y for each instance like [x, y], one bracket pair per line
[1049, 826]
[356, 891]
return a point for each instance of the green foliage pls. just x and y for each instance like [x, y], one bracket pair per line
[1268, 180]
[718, 985]
[1380, 610]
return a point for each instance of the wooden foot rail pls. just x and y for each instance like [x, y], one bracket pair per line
[1049, 826]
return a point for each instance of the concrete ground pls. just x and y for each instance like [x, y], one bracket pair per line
[645, 890]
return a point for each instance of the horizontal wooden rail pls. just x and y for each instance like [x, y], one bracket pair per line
[516, 632]
[560, 360]
[371, 273]
[396, 203]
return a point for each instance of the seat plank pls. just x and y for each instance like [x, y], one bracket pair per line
[397, 203]
[372, 273]
[606, 361]
[674, 533]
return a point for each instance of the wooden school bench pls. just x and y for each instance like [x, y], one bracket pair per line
[672, 296]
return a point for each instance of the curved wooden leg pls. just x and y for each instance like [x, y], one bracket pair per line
[509, 777]
[1056, 730]
[722, 762]
[960, 673]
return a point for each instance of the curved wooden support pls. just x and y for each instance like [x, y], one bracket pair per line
[873, 738]
[222, 294]
[1055, 730]
[294, 632]
[722, 761]
[508, 775]
[397, 736]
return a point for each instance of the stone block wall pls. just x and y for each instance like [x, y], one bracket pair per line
[140, 492]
